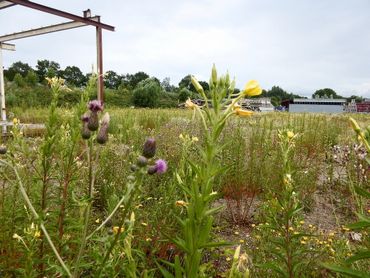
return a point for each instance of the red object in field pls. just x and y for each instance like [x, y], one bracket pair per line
[363, 107]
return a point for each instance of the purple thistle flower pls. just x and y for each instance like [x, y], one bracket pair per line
[161, 166]
[85, 118]
[95, 106]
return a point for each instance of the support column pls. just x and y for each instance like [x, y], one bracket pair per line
[99, 48]
[2, 93]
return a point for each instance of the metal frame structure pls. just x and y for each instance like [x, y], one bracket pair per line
[77, 21]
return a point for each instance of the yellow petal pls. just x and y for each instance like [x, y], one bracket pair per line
[252, 88]
[243, 113]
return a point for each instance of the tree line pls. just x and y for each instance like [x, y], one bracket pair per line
[137, 89]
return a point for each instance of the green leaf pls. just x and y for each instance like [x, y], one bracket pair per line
[216, 244]
[347, 271]
[358, 256]
[274, 267]
[165, 272]
[359, 225]
[362, 192]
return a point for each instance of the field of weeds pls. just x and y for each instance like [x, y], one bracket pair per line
[203, 192]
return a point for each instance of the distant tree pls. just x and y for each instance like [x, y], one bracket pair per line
[133, 80]
[326, 93]
[31, 78]
[73, 76]
[356, 98]
[184, 94]
[19, 80]
[166, 85]
[112, 80]
[278, 94]
[17, 67]
[147, 93]
[46, 68]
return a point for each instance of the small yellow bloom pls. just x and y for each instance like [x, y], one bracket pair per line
[16, 121]
[189, 104]
[37, 234]
[290, 134]
[194, 139]
[253, 225]
[181, 203]
[301, 222]
[241, 241]
[117, 229]
[148, 239]
[236, 233]
[331, 234]
[303, 242]
[243, 113]
[97, 221]
[144, 224]
[228, 259]
[252, 88]
[291, 229]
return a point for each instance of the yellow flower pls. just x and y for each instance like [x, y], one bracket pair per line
[194, 139]
[181, 203]
[148, 239]
[253, 225]
[252, 88]
[16, 121]
[241, 241]
[236, 233]
[228, 259]
[290, 134]
[243, 113]
[291, 229]
[117, 229]
[37, 234]
[97, 221]
[301, 222]
[189, 104]
[196, 85]
[144, 224]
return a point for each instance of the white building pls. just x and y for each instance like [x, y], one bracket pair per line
[319, 105]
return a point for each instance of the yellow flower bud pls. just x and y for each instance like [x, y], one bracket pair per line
[214, 75]
[196, 85]
[252, 88]
[355, 125]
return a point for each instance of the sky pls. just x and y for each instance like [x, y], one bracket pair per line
[299, 45]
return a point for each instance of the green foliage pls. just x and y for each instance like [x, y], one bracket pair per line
[147, 93]
[326, 93]
[19, 80]
[277, 95]
[184, 94]
[31, 78]
[46, 68]
[73, 76]
[17, 67]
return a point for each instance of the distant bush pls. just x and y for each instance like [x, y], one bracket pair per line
[147, 93]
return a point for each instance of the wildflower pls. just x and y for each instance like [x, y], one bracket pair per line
[102, 136]
[303, 242]
[95, 106]
[85, 133]
[181, 203]
[236, 233]
[148, 239]
[161, 166]
[16, 121]
[3, 149]
[189, 104]
[97, 221]
[228, 259]
[253, 225]
[252, 88]
[243, 113]
[241, 241]
[117, 229]
[290, 134]
[37, 234]
[301, 222]
[17, 237]
[149, 148]
[355, 125]
[331, 234]
[144, 224]
[194, 139]
[291, 229]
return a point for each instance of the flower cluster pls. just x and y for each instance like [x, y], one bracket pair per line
[90, 122]
[149, 150]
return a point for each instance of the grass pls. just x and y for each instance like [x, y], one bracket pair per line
[253, 179]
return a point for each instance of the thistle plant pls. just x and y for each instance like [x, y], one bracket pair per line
[198, 190]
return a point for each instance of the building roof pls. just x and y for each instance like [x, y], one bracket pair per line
[319, 100]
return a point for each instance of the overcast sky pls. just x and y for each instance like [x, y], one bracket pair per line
[299, 45]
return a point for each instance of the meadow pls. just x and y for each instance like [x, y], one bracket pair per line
[198, 192]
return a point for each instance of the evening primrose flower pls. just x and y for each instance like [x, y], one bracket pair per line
[252, 88]
[290, 134]
[243, 113]
[181, 203]
[189, 104]
[117, 229]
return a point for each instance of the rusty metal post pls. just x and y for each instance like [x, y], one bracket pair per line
[2, 93]
[99, 48]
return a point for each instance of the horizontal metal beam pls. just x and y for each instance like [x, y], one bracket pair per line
[5, 4]
[7, 46]
[44, 30]
[57, 12]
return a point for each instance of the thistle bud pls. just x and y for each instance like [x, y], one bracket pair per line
[142, 161]
[93, 123]
[197, 85]
[86, 133]
[214, 75]
[102, 136]
[3, 149]
[152, 170]
[149, 148]
[134, 168]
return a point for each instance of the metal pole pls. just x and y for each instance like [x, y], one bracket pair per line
[2, 93]
[99, 48]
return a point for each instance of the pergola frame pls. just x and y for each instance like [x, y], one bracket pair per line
[77, 21]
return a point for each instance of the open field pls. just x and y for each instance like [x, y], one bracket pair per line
[107, 216]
